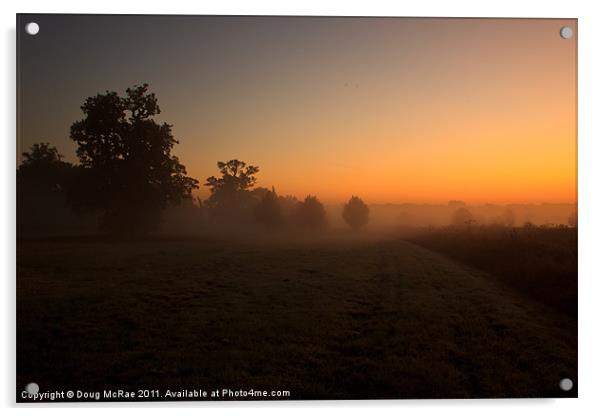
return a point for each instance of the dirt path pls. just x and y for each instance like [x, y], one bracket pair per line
[382, 319]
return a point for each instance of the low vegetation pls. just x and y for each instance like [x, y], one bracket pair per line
[539, 261]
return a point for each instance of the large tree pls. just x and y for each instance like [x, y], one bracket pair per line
[129, 173]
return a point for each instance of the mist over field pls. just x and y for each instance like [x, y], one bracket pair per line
[52, 217]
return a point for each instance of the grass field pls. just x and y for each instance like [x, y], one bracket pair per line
[324, 320]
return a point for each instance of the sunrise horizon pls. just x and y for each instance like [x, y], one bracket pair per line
[324, 114]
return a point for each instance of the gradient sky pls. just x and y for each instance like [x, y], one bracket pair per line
[391, 109]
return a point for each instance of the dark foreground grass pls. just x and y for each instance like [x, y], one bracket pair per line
[323, 320]
[539, 261]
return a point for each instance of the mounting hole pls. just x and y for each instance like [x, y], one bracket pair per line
[32, 388]
[32, 28]
[566, 32]
[566, 384]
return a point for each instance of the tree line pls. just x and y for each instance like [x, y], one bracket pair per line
[128, 176]
[463, 217]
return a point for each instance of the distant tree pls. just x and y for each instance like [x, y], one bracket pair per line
[508, 218]
[186, 218]
[288, 202]
[236, 176]
[356, 213]
[288, 208]
[405, 217]
[454, 203]
[129, 174]
[43, 183]
[259, 192]
[43, 170]
[41, 154]
[310, 213]
[462, 217]
[231, 200]
[572, 220]
[505, 219]
[268, 211]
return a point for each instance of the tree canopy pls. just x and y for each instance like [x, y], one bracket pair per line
[310, 213]
[462, 217]
[268, 212]
[43, 170]
[129, 173]
[236, 176]
[231, 200]
[356, 213]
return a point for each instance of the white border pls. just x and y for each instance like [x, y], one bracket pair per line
[590, 202]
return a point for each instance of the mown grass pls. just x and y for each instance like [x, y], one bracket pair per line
[539, 261]
[325, 320]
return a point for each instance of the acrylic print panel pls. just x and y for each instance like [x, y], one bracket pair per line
[295, 208]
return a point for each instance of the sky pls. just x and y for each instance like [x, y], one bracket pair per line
[395, 110]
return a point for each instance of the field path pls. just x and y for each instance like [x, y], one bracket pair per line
[363, 319]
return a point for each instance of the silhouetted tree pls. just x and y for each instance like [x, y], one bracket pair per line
[231, 200]
[43, 170]
[310, 213]
[288, 207]
[507, 219]
[288, 203]
[405, 217]
[356, 212]
[259, 192]
[455, 203]
[529, 225]
[236, 176]
[188, 217]
[41, 154]
[129, 173]
[462, 217]
[572, 220]
[43, 182]
[268, 211]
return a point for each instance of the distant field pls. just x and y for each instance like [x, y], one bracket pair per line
[539, 261]
[325, 320]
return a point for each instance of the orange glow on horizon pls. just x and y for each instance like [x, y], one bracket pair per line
[394, 110]
[500, 126]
